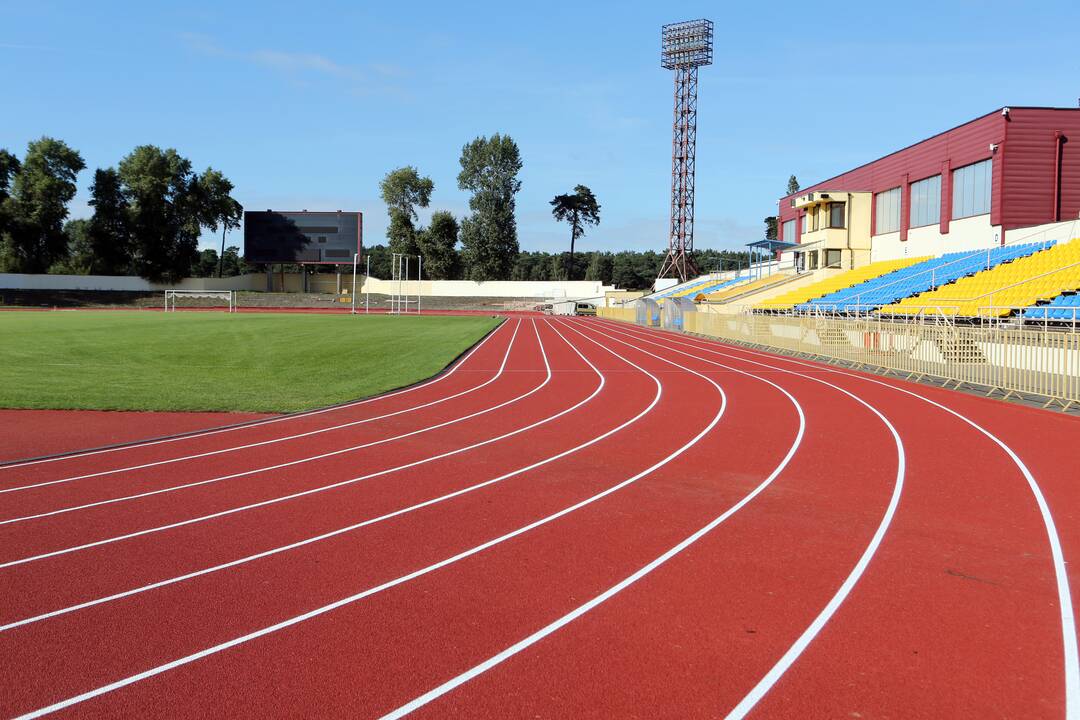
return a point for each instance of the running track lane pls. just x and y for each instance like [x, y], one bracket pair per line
[182, 549]
[356, 446]
[597, 464]
[715, 604]
[476, 366]
[957, 615]
[802, 663]
[347, 561]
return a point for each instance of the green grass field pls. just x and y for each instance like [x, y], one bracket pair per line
[118, 360]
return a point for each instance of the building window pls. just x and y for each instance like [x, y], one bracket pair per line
[814, 218]
[788, 230]
[926, 202]
[887, 211]
[832, 258]
[836, 215]
[971, 189]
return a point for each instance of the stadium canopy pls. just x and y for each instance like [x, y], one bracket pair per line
[766, 248]
[771, 246]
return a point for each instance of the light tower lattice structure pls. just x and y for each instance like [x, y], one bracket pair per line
[684, 47]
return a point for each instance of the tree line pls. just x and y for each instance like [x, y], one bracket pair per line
[148, 214]
[151, 209]
[627, 269]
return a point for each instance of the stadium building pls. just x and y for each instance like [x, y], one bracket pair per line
[983, 183]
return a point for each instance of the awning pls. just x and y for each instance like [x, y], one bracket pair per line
[772, 245]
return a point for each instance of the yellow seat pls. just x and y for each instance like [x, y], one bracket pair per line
[1022, 282]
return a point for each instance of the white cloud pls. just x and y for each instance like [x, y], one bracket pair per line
[290, 63]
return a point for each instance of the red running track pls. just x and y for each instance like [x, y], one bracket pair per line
[580, 519]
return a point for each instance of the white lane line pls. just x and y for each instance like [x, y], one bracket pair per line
[1070, 653]
[577, 612]
[197, 483]
[602, 381]
[96, 692]
[263, 503]
[274, 441]
[268, 421]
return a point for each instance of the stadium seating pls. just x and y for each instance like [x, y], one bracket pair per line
[1063, 307]
[829, 285]
[712, 287]
[762, 283]
[676, 289]
[917, 278]
[1022, 282]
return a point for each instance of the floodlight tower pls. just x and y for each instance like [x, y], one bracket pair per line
[684, 47]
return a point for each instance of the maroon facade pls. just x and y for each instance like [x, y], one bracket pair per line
[1036, 169]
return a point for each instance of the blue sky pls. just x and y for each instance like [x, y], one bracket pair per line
[307, 105]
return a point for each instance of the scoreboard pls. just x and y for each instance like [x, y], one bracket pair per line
[305, 238]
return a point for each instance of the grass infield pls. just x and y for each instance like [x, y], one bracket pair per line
[192, 361]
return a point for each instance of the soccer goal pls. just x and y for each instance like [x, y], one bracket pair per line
[228, 297]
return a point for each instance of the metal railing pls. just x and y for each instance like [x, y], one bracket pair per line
[1046, 322]
[999, 359]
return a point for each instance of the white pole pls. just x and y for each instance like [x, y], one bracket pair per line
[419, 279]
[405, 285]
[355, 260]
[367, 290]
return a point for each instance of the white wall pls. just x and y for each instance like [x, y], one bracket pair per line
[973, 233]
[555, 290]
[16, 281]
[443, 288]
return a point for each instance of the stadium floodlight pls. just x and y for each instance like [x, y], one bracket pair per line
[686, 44]
[684, 47]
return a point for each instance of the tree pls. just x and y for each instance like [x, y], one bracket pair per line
[792, 185]
[600, 267]
[380, 261]
[438, 245]
[770, 227]
[489, 168]
[168, 206]
[217, 208]
[9, 168]
[109, 232]
[579, 209]
[206, 263]
[403, 190]
[79, 259]
[43, 186]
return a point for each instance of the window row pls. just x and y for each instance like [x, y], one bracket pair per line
[970, 196]
[826, 215]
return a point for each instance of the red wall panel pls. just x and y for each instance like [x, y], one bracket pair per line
[960, 146]
[1030, 177]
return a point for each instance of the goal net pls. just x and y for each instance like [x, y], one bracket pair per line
[225, 299]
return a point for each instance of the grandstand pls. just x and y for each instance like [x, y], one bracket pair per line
[710, 287]
[1040, 275]
[841, 281]
[762, 283]
[923, 276]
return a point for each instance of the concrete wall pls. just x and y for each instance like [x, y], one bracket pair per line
[323, 282]
[16, 281]
[973, 233]
[555, 290]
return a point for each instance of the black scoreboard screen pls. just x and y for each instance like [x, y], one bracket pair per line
[328, 238]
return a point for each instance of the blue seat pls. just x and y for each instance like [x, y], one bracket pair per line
[1063, 307]
[920, 277]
